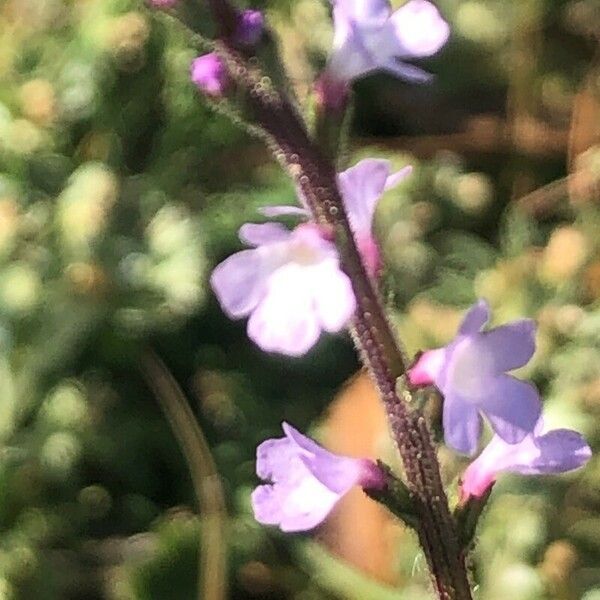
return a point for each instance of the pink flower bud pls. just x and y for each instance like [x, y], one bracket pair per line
[210, 75]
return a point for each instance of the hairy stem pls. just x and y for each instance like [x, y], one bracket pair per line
[315, 179]
[381, 352]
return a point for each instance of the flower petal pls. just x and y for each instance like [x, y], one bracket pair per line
[477, 316]
[395, 178]
[333, 297]
[512, 345]
[406, 71]
[560, 450]
[259, 234]
[276, 459]
[513, 408]
[362, 186]
[368, 13]
[419, 29]
[338, 473]
[462, 424]
[283, 210]
[285, 320]
[239, 282]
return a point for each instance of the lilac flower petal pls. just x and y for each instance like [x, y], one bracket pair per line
[405, 71]
[301, 507]
[560, 450]
[275, 459]
[395, 178]
[428, 367]
[240, 281]
[258, 234]
[349, 59]
[477, 316]
[557, 451]
[277, 211]
[285, 321]
[419, 28]
[362, 185]
[337, 473]
[512, 407]
[370, 13]
[512, 344]
[336, 307]
[302, 441]
[462, 424]
[266, 504]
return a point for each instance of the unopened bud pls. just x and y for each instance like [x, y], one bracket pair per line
[210, 75]
[250, 27]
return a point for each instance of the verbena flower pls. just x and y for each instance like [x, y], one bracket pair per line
[539, 453]
[369, 37]
[470, 372]
[210, 75]
[305, 481]
[290, 283]
[361, 187]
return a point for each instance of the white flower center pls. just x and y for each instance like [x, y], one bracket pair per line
[471, 366]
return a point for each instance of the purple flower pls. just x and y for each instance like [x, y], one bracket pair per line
[369, 37]
[539, 453]
[470, 373]
[305, 481]
[210, 75]
[361, 187]
[290, 283]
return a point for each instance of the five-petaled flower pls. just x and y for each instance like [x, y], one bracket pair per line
[305, 481]
[290, 283]
[470, 372]
[369, 37]
[539, 453]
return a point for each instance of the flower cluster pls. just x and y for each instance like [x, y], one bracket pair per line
[305, 481]
[291, 286]
[470, 372]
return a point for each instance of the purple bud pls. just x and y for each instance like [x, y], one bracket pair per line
[210, 75]
[250, 27]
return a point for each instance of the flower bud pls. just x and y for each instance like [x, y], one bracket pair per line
[210, 75]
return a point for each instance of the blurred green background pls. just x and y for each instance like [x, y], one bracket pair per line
[120, 190]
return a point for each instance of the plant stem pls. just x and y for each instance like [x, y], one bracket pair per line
[380, 351]
[315, 178]
[212, 572]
